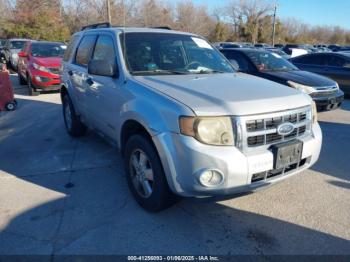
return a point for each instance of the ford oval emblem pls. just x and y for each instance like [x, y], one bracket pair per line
[285, 129]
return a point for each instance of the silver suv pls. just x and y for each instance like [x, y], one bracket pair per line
[185, 122]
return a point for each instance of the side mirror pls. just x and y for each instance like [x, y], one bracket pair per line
[22, 54]
[103, 68]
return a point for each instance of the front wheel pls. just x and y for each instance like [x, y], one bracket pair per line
[72, 122]
[11, 106]
[145, 175]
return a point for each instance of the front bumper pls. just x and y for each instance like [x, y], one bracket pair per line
[45, 81]
[328, 102]
[182, 157]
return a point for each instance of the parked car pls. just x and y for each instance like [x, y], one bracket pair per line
[324, 91]
[185, 122]
[279, 52]
[343, 49]
[231, 45]
[320, 46]
[279, 46]
[333, 65]
[39, 66]
[262, 45]
[2, 43]
[288, 49]
[325, 49]
[10, 51]
[334, 48]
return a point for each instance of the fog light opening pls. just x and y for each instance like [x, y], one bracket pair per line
[210, 177]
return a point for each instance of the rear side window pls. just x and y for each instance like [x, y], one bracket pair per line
[336, 61]
[238, 61]
[104, 49]
[311, 60]
[70, 48]
[84, 50]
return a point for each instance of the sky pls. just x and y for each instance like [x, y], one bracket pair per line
[313, 12]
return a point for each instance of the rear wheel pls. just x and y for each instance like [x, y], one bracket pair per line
[73, 124]
[21, 80]
[145, 175]
[31, 89]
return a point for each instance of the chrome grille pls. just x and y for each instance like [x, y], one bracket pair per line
[325, 92]
[54, 70]
[263, 131]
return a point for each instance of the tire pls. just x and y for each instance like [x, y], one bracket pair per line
[72, 122]
[31, 89]
[21, 80]
[11, 106]
[158, 196]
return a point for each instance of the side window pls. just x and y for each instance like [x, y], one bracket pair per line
[84, 50]
[238, 61]
[104, 49]
[24, 48]
[70, 48]
[311, 60]
[336, 61]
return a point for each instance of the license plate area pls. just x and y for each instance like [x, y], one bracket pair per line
[286, 154]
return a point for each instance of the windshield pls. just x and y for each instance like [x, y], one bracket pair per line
[161, 53]
[265, 61]
[278, 51]
[48, 50]
[17, 44]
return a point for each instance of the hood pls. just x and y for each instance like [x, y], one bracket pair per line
[48, 61]
[15, 51]
[303, 77]
[227, 94]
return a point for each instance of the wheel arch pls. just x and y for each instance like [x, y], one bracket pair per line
[129, 128]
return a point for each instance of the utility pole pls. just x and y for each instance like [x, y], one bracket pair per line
[109, 11]
[274, 25]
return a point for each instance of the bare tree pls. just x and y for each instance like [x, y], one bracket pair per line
[249, 14]
[194, 18]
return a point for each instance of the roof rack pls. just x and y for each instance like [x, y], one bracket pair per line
[161, 27]
[94, 26]
[108, 25]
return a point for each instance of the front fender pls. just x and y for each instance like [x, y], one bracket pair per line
[156, 112]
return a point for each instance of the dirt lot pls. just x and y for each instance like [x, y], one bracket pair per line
[60, 195]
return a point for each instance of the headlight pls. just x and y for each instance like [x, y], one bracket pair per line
[314, 112]
[14, 55]
[303, 88]
[208, 130]
[41, 68]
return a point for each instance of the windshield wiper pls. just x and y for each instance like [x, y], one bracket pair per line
[210, 72]
[174, 72]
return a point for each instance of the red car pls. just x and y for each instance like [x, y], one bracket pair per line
[39, 66]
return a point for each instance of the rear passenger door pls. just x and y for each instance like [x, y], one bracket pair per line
[312, 63]
[103, 94]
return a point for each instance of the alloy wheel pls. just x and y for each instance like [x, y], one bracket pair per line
[141, 173]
